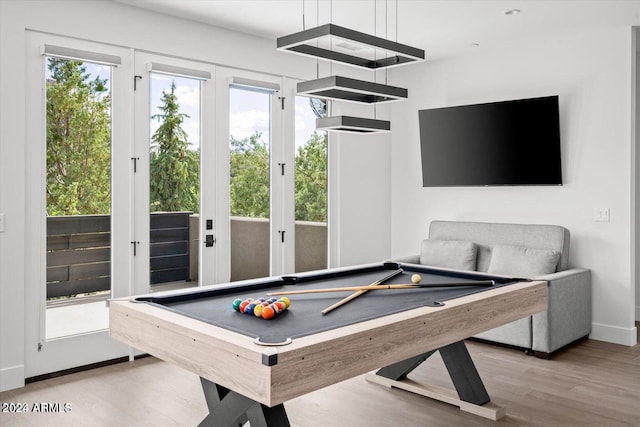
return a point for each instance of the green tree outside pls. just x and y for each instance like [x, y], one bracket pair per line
[78, 141]
[175, 169]
[79, 156]
[311, 180]
[249, 187]
[250, 178]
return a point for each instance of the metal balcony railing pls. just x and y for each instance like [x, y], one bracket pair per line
[79, 250]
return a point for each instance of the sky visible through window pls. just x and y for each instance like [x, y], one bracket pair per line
[249, 112]
[94, 70]
[188, 94]
[305, 121]
[246, 117]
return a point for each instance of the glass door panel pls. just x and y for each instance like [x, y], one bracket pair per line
[174, 99]
[77, 201]
[174, 180]
[250, 192]
[78, 196]
[310, 186]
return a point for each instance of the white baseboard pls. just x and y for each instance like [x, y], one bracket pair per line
[614, 334]
[12, 377]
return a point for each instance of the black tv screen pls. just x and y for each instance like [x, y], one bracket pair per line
[500, 143]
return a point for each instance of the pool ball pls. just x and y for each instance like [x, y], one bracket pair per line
[244, 304]
[266, 308]
[279, 306]
[416, 278]
[250, 307]
[286, 301]
[268, 312]
[257, 311]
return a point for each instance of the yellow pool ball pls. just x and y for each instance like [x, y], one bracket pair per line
[286, 301]
[416, 278]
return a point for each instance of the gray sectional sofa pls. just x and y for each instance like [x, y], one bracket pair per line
[522, 250]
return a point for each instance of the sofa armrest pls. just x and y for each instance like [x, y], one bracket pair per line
[569, 315]
[410, 259]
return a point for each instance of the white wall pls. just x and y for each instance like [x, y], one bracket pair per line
[362, 187]
[364, 193]
[591, 72]
[363, 218]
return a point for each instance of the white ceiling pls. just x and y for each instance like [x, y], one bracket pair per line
[440, 27]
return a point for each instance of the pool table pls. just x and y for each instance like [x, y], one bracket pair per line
[250, 366]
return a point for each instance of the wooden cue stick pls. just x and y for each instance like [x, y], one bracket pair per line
[483, 283]
[343, 289]
[360, 292]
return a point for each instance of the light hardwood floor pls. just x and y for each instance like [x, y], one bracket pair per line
[591, 383]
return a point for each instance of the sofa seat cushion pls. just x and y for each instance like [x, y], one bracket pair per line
[453, 254]
[517, 333]
[522, 261]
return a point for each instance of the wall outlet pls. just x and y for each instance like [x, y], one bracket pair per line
[601, 214]
[1, 223]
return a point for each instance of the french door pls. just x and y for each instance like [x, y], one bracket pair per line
[174, 231]
[254, 174]
[78, 199]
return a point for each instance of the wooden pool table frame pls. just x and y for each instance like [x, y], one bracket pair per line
[270, 376]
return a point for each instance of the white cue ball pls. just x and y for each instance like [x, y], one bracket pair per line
[416, 278]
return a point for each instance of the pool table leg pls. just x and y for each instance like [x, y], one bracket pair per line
[230, 409]
[462, 371]
[464, 374]
[398, 371]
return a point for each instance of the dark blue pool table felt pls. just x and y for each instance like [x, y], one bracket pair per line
[304, 317]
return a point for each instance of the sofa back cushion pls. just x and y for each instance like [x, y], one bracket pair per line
[449, 254]
[488, 235]
[524, 262]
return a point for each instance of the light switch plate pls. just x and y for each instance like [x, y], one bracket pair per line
[601, 214]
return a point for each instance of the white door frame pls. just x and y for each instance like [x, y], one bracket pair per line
[140, 219]
[44, 356]
[280, 260]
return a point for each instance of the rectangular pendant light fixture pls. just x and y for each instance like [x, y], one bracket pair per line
[352, 124]
[347, 89]
[335, 43]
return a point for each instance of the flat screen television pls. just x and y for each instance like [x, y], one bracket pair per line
[513, 142]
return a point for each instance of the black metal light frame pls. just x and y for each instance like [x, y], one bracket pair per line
[346, 89]
[353, 124]
[299, 42]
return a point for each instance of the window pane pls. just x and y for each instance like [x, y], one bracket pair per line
[249, 145]
[174, 180]
[78, 195]
[310, 186]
